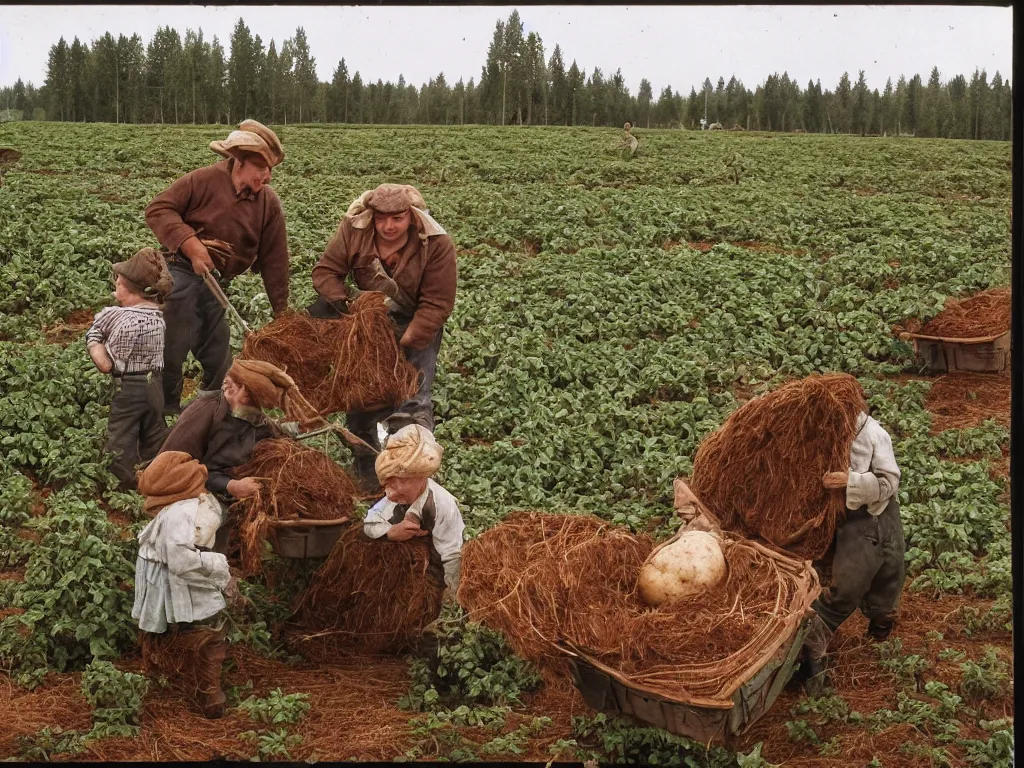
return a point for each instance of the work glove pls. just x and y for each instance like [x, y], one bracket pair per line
[384, 281]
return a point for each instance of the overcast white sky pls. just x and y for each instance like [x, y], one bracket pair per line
[669, 45]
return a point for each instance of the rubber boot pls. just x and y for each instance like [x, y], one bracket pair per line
[816, 643]
[209, 695]
[879, 627]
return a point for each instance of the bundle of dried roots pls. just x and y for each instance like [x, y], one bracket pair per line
[349, 364]
[548, 579]
[985, 314]
[370, 596]
[298, 483]
[761, 471]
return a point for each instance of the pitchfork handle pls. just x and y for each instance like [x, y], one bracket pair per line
[222, 299]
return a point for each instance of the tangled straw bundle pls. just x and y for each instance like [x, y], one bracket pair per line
[961, 400]
[295, 343]
[301, 483]
[369, 368]
[544, 579]
[761, 471]
[350, 364]
[985, 314]
[175, 654]
[373, 596]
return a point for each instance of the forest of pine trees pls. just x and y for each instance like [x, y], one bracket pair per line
[194, 80]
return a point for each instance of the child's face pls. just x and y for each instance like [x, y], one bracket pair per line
[404, 490]
[122, 293]
[235, 393]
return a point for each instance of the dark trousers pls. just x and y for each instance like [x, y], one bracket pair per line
[418, 409]
[196, 323]
[136, 428]
[868, 570]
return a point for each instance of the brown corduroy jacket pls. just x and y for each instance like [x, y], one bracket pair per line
[426, 276]
[205, 200]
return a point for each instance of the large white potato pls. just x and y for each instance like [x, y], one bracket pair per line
[692, 563]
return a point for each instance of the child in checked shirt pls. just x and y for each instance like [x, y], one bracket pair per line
[127, 341]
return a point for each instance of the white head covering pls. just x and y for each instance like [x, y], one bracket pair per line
[411, 452]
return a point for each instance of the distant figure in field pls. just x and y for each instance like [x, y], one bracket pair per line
[628, 140]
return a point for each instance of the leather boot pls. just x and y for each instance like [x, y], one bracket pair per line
[209, 695]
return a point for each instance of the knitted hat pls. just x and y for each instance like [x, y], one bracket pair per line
[147, 272]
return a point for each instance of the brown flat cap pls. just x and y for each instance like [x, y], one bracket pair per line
[395, 198]
[147, 271]
[251, 136]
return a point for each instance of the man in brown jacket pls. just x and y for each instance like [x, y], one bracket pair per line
[388, 242]
[228, 201]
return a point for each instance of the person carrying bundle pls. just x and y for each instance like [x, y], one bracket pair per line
[388, 242]
[127, 341]
[180, 585]
[231, 202]
[221, 430]
[414, 505]
[868, 568]
[628, 140]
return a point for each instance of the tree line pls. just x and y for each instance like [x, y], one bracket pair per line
[193, 80]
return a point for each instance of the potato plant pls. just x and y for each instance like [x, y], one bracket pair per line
[611, 313]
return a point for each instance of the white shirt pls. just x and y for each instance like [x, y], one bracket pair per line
[448, 525]
[874, 475]
[174, 581]
[209, 517]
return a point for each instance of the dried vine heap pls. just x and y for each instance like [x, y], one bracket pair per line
[349, 364]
